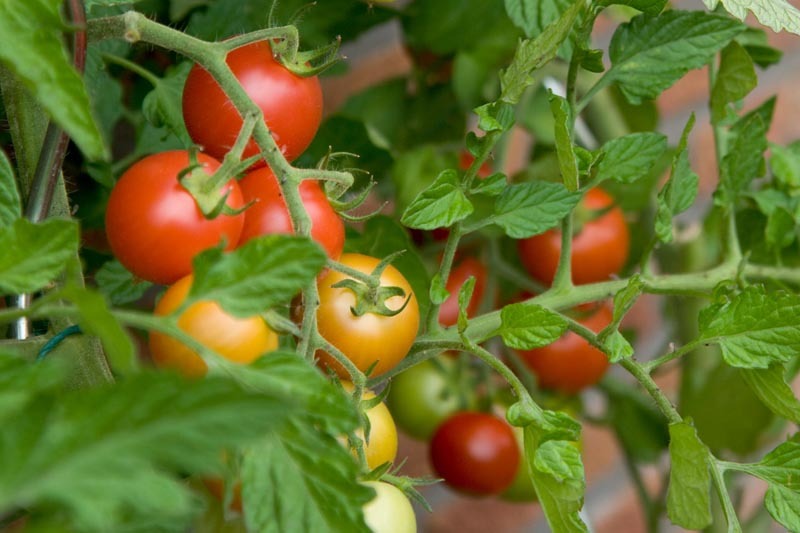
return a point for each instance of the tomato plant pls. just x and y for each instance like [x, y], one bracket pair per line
[599, 246]
[291, 104]
[268, 213]
[570, 364]
[370, 339]
[154, 225]
[389, 511]
[475, 453]
[241, 340]
[381, 446]
[421, 398]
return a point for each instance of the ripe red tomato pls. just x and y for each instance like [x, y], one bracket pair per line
[369, 338]
[269, 213]
[292, 105]
[599, 249]
[241, 340]
[475, 453]
[153, 224]
[570, 364]
[468, 267]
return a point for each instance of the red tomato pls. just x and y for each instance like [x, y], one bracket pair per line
[370, 338]
[571, 364]
[465, 159]
[241, 340]
[292, 105]
[269, 213]
[475, 453]
[599, 249]
[153, 224]
[448, 312]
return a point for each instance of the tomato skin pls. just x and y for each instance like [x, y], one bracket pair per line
[153, 224]
[475, 453]
[269, 213]
[390, 511]
[468, 267]
[291, 104]
[599, 250]
[382, 445]
[419, 398]
[368, 338]
[241, 340]
[570, 364]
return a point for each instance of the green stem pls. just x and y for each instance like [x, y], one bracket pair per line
[586, 98]
[717, 474]
[562, 281]
[444, 272]
[643, 377]
[142, 72]
[667, 357]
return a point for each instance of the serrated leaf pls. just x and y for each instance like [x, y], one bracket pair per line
[97, 455]
[96, 319]
[530, 208]
[649, 54]
[490, 186]
[783, 506]
[680, 191]
[780, 467]
[533, 54]
[307, 498]
[745, 158]
[689, 493]
[39, 60]
[440, 205]
[631, 157]
[118, 284]
[162, 105]
[34, 254]
[533, 16]
[264, 272]
[10, 203]
[525, 326]
[785, 164]
[736, 77]
[561, 499]
[565, 148]
[754, 328]
[771, 388]
[777, 14]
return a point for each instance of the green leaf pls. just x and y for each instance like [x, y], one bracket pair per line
[21, 383]
[756, 43]
[754, 328]
[777, 14]
[162, 105]
[629, 158]
[530, 208]
[437, 292]
[118, 284]
[492, 185]
[771, 388]
[100, 455]
[617, 347]
[526, 326]
[557, 475]
[784, 506]
[649, 54]
[680, 191]
[565, 148]
[39, 60]
[736, 77]
[785, 164]
[648, 7]
[264, 272]
[533, 16]
[307, 498]
[10, 203]
[744, 160]
[464, 297]
[384, 236]
[96, 319]
[440, 205]
[34, 254]
[416, 170]
[780, 467]
[780, 230]
[90, 4]
[626, 298]
[689, 493]
[533, 54]
[105, 91]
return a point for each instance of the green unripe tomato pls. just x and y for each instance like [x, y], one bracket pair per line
[389, 511]
[420, 399]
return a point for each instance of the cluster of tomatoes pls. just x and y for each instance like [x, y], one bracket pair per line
[155, 228]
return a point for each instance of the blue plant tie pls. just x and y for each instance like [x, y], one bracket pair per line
[52, 343]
